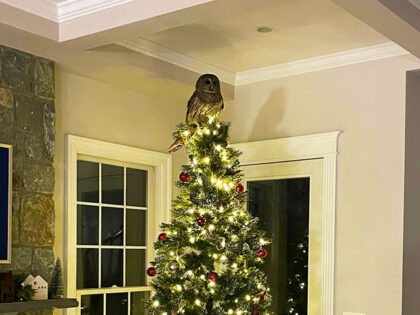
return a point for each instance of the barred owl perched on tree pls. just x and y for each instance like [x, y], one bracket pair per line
[204, 102]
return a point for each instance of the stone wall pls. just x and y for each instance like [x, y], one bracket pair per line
[27, 121]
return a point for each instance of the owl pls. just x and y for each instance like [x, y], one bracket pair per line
[204, 102]
[206, 99]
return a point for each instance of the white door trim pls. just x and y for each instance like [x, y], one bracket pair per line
[323, 146]
[79, 146]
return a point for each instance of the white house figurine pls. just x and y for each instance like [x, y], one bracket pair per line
[39, 285]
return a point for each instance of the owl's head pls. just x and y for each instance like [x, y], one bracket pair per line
[208, 83]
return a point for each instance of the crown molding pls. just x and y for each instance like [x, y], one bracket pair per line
[416, 3]
[63, 11]
[329, 61]
[324, 62]
[154, 50]
[72, 9]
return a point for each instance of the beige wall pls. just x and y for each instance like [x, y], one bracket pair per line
[95, 110]
[366, 102]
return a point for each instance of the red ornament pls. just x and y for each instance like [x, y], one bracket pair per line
[213, 276]
[162, 236]
[239, 188]
[151, 271]
[201, 221]
[184, 177]
[262, 253]
[256, 311]
[261, 298]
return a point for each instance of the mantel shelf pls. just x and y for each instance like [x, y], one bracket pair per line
[37, 305]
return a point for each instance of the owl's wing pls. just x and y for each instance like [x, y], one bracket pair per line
[192, 107]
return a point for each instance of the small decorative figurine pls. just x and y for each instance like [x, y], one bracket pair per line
[39, 285]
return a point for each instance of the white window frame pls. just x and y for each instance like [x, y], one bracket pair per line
[323, 145]
[85, 148]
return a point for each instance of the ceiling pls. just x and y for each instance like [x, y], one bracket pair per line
[301, 29]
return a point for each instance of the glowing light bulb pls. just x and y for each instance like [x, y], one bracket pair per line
[223, 258]
[214, 132]
[178, 288]
[190, 273]
[212, 284]
[206, 160]
[172, 253]
[230, 311]
[214, 256]
[221, 209]
[192, 239]
[230, 219]
[191, 211]
[234, 265]
[219, 183]
[211, 119]
[247, 297]
[156, 303]
[211, 227]
[202, 277]
[189, 229]
[195, 161]
[186, 133]
[218, 147]
[197, 302]
[199, 133]
[212, 180]
[218, 125]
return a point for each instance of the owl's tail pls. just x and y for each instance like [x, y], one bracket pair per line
[178, 144]
[181, 141]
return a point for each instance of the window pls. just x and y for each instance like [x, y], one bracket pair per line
[113, 210]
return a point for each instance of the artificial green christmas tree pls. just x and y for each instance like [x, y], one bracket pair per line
[209, 256]
[56, 287]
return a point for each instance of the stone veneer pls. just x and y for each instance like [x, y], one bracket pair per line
[27, 121]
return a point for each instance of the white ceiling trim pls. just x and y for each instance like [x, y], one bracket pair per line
[63, 11]
[324, 62]
[154, 50]
[72, 9]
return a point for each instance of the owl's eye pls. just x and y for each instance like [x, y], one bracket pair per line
[207, 82]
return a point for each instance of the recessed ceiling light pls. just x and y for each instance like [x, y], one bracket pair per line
[264, 29]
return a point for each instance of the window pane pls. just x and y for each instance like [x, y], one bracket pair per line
[117, 304]
[135, 267]
[87, 268]
[92, 304]
[136, 227]
[136, 187]
[87, 181]
[283, 209]
[112, 226]
[112, 268]
[138, 303]
[112, 184]
[87, 225]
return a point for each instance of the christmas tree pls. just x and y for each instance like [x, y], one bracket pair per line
[56, 284]
[209, 256]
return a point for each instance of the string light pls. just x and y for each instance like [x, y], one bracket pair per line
[206, 160]
[156, 303]
[192, 240]
[197, 302]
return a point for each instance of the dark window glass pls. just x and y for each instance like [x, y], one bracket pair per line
[92, 304]
[112, 268]
[117, 303]
[136, 227]
[87, 268]
[87, 181]
[135, 267]
[283, 209]
[112, 184]
[112, 226]
[136, 187]
[138, 303]
[87, 225]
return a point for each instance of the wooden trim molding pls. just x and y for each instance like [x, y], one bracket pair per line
[323, 146]
[79, 146]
